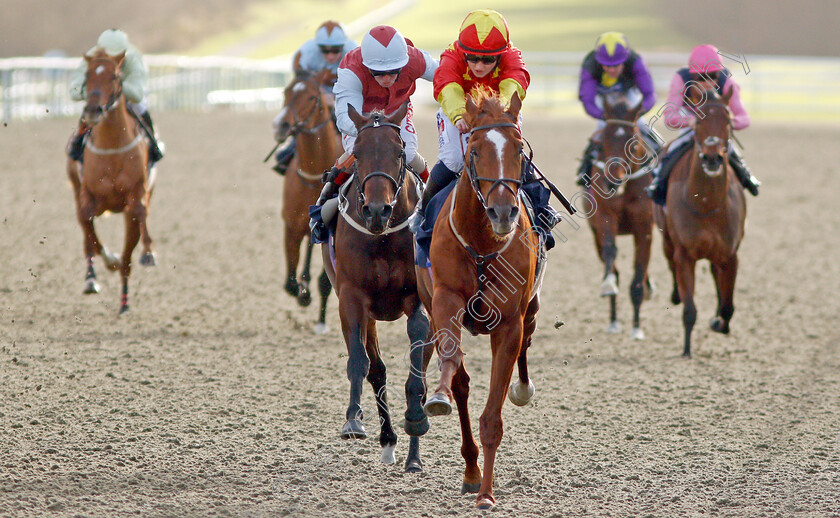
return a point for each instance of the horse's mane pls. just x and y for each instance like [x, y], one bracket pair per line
[488, 100]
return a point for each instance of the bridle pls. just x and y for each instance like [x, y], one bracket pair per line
[398, 183]
[115, 96]
[510, 184]
[602, 165]
[300, 126]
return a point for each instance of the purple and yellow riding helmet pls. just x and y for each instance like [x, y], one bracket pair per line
[611, 49]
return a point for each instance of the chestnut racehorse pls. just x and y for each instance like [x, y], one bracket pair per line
[306, 115]
[483, 276]
[618, 205]
[114, 176]
[704, 214]
[372, 269]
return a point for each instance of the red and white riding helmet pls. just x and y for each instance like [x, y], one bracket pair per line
[384, 48]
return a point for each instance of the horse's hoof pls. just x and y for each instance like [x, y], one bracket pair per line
[292, 287]
[112, 262]
[614, 327]
[388, 456]
[148, 259]
[321, 328]
[637, 334]
[413, 466]
[484, 503]
[417, 428]
[124, 309]
[438, 404]
[718, 325]
[675, 297]
[91, 287]
[353, 429]
[466, 487]
[304, 298]
[520, 394]
[609, 287]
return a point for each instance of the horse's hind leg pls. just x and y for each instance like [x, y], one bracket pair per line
[469, 448]
[376, 378]
[724, 275]
[522, 388]
[324, 288]
[148, 256]
[304, 296]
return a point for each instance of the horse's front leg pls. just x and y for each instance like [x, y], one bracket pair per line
[641, 259]
[522, 389]
[304, 296]
[354, 326]
[448, 313]
[725, 275]
[684, 267]
[505, 342]
[377, 379]
[324, 288]
[85, 211]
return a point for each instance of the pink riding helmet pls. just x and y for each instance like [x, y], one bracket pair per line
[704, 59]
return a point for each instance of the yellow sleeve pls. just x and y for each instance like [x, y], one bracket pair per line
[453, 101]
[507, 87]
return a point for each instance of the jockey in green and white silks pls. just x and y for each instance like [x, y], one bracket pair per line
[134, 77]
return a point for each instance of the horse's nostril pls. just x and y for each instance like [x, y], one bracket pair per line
[492, 214]
[366, 212]
[514, 212]
[386, 212]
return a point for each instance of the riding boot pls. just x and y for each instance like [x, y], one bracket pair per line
[658, 189]
[156, 147]
[439, 177]
[76, 150]
[585, 168]
[284, 156]
[742, 172]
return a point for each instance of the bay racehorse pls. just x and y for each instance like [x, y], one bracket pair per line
[306, 116]
[371, 267]
[114, 177]
[483, 277]
[618, 205]
[704, 214]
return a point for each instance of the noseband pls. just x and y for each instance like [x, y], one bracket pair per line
[510, 184]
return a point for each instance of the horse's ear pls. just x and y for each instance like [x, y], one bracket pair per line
[607, 109]
[695, 95]
[727, 96]
[472, 110]
[515, 105]
[399, 115]
[322, 76]
[355, 116]
[635, 112]
[119, 58]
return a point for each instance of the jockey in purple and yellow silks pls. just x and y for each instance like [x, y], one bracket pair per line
[324, 51]
[705, 68]
[613, 67]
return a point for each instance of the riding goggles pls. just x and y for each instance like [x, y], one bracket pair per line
[378, 73]
[487, 60]
[328, 49]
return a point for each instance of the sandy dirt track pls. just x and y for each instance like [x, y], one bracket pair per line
[213, 397]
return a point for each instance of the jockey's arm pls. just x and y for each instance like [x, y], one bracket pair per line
[348, 91]
[740, 117]
[675, 113]
[431, 65]
[508, 87]
[77, 82]
[134, 77]
[644, 82]
[587, 92]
